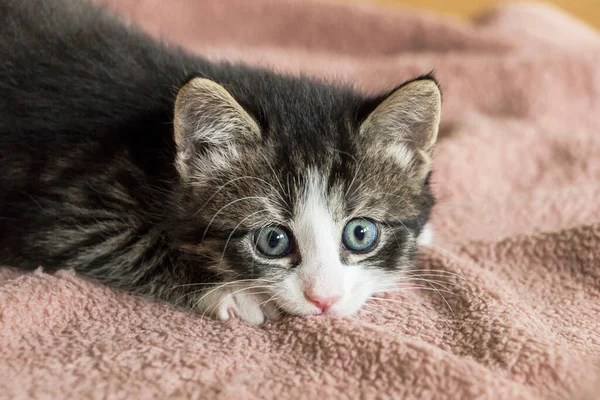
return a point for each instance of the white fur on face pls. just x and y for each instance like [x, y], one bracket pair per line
[317, 226]
[426, 236]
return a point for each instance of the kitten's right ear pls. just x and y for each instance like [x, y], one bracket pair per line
[208, 119]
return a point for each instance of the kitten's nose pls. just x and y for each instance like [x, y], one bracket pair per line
[324, 303]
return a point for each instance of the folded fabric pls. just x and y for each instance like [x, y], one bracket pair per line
[512, 309]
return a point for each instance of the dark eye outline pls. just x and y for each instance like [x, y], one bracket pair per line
[371, 246]
[257, 235]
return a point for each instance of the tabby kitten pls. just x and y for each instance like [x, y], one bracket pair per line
[231, 190]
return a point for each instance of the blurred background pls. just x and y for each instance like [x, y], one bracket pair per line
[587, 10]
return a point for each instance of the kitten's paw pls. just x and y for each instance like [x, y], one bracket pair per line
[232, 303]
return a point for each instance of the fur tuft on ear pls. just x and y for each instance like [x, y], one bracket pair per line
[405, 122]
[207, 118]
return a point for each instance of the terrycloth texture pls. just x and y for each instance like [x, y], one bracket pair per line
[517, 174]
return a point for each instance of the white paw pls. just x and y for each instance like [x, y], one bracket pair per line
[239, 303]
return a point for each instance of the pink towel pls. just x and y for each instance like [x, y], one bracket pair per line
[515, 313]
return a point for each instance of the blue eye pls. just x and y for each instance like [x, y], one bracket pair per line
[272, 241]
[359, 234]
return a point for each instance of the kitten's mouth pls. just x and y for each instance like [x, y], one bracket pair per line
[313, 313]
[343, 308]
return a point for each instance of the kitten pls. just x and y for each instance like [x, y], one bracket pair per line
[231, 190]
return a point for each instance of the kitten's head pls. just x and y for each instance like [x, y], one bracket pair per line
[317, 195]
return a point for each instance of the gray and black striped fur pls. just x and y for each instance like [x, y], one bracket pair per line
[89, 173]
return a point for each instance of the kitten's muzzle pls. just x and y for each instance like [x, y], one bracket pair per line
[322, 302]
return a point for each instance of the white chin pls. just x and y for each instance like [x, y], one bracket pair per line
[343, 312]
[345, 309]
[426, 236]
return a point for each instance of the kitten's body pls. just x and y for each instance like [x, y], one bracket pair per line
[101, 172]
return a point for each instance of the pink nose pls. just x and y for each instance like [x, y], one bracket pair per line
[324, 303]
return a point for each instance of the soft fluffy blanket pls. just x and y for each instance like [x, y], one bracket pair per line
[515, 313]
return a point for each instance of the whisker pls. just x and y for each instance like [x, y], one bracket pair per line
[402, 289]
[287, 180]
[224, 186]
[437, 271]
[393, 231]
[345, 153]
[214, 306]
[413, 280]
[287, 303]
[468, 287]
[378, 310]
[212, 285]
[271, 298]
[277, 178]
[454, 258]
[206, 286]
[213, 290]
[224, 207]
[364, 184]
[234, 229]
[218, 283]
[428, 281]
[445, 252]
[355, 175]
[433, 287]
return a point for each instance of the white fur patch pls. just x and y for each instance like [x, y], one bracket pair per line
[426, 236]
[318, 235]
[318, 231]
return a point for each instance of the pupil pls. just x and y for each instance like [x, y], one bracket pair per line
[359, 233]
[274, 239]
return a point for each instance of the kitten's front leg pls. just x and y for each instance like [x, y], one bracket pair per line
[241, 303]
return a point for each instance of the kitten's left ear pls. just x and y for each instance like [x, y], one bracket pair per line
[405, 123]
[209, 125]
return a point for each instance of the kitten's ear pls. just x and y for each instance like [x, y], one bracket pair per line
[405, 122]
[208, 119]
